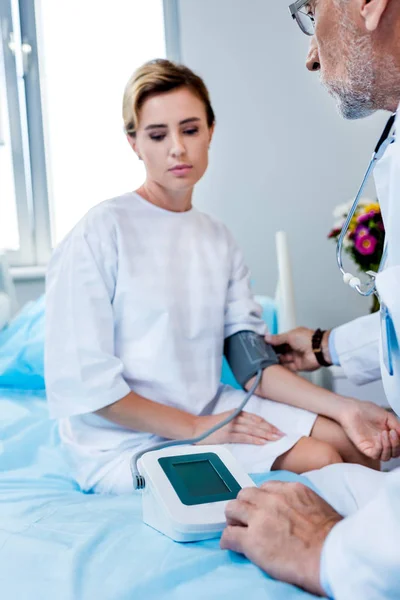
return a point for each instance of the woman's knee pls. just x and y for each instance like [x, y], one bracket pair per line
[308, 454]
[323, 454]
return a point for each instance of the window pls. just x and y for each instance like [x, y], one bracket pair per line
[8, 207]
[63, 68]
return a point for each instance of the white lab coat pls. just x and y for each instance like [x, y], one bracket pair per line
[357, 346]
[361, 554]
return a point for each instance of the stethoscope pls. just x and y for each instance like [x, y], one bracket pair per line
[368, 288]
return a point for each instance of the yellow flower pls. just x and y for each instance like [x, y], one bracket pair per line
[374, 206]
[353, 224]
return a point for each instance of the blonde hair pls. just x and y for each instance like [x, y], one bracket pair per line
[157, 77]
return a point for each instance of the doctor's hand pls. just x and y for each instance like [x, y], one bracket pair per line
[246, 428]
[373, 430]
[281, 527]
[299, 355]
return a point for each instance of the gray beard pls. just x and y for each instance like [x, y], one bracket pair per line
[354, 93]
[352, 104]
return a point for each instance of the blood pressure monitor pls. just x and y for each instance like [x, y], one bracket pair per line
[187, 489]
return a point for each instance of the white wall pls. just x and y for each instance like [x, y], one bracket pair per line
[282, 157]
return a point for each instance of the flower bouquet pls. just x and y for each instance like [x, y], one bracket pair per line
[365, 237]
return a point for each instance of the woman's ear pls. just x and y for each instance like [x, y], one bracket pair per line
[133, 144]
[211, 132]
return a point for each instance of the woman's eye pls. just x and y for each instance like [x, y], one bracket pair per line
[157, 137]
[191, 131]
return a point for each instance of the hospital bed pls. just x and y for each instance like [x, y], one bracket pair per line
[58, 543]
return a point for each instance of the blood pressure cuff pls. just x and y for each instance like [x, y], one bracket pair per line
[247, 353]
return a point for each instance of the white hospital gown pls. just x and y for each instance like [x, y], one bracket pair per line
[140, 298]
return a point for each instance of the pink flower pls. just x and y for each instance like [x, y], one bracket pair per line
[366, 245]
[364, 218]
[361, 231]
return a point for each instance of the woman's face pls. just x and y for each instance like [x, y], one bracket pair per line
[172, 139]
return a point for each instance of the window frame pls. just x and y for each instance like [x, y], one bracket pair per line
[13, 68]
[27, 125]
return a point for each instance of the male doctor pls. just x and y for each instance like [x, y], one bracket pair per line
[287, 529]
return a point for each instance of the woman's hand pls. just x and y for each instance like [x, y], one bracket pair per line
[246, 428]
[373, 430]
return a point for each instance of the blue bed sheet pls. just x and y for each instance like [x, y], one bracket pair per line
[57, 543]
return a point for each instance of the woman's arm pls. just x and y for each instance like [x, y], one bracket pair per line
[140, 414]
[281, 385]
[374, 431]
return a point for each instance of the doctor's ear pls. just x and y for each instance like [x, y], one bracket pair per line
[372, 12]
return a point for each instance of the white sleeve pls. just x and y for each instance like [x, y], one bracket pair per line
[360, 557]
[81, 369]
[357, 347]
[241, 311]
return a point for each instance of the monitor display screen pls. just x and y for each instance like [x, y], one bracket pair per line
[200, 478]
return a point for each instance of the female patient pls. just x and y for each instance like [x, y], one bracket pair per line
[140, 296]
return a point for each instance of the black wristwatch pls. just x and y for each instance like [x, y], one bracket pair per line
[316, 342]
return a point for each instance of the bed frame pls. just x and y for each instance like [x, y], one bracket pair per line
[8, 296]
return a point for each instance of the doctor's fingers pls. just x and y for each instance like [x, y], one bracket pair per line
[289, 364]
[390, 445]
[393, 423]
[259, 496]
[292, 361]
[268, 500]
[286, 358]
[279, 339]
[234, 538]
[386, 453]
[238, 512]
[395, 443]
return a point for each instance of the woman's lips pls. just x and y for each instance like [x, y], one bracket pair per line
[181, 170]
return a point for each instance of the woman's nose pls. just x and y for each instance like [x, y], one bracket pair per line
[177, 148]
[312, 61]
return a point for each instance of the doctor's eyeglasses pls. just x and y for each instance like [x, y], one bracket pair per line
[302, 13]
